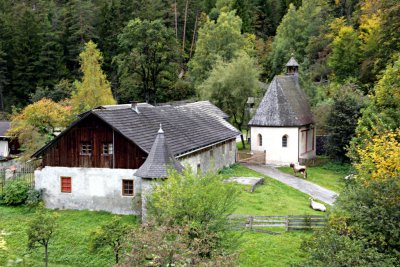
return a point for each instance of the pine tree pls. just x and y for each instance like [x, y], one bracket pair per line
[3, 77]
[94, 89]
[79, 17]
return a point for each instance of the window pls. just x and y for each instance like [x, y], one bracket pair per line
[107, 149]
[284, 140]
[127, 187]
[259, 139]
[86, 149]
[198, 168]
[65, 184]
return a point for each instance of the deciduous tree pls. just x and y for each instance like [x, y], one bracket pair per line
[94, 89]
[230, 85]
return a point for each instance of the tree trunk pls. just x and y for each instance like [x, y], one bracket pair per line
[176, 21]
[184, 26]
[194, 35]
[116, 257]
[46, 256]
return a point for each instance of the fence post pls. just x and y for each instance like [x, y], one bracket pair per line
[251, 222]
[287, 223]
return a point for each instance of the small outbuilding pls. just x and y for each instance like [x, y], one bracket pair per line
[283, 126]
[8, 146]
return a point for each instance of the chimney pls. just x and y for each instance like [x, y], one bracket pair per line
[134, 106]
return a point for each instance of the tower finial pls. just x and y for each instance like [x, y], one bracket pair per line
[161, 130]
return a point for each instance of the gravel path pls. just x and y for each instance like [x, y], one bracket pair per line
[314, 190]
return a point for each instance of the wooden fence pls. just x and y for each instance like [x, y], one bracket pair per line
[265, 224]
[25, 173]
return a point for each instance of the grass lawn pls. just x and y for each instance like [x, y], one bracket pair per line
[329, 175]
[272, 198]
[70, 245]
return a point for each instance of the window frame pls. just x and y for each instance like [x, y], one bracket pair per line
[123, 188]
[106, 149]
[259, 139]
[85, 147]
[66, 188]
[285, 138]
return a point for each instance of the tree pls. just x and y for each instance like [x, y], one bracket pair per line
[35, 124]
[171, 245]
[345, 57]
[221, 39]
[202, 203]
[147, 60]
[41, 231]
[342, 120]
[3, 77]
[230, 85]
[382, 112]
[94, 89]
[111, 234]
[78, 18]
[298, 29]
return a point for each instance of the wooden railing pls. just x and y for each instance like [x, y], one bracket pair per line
[284, 223]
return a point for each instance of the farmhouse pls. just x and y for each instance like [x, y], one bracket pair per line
[283, 125]
[93, 163]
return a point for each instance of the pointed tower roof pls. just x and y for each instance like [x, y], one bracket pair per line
[284, 105]
[292, 62]
[160, 159]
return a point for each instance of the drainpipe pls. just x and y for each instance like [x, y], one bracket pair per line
[113, 155]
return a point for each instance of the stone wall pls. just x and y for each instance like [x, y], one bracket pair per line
[212, 158]
[91, 189]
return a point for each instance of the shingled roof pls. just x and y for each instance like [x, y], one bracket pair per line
[160, 159]
[284, 104]
[292, 63]
[4, 126]
[188, 127]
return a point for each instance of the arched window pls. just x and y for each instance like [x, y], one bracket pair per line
[284, 140]
[259, 139]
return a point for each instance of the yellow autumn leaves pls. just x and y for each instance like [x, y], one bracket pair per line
[380, 158]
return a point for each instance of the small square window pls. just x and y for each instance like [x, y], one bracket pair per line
[86, 149]
[107, 149]
[127, 187]
[66, 184]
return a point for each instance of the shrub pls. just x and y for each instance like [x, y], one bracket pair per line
[34, 197]
[15, 193]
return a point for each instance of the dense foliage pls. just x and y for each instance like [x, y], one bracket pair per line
[15, 193]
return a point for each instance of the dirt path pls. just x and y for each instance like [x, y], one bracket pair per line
[314, 190]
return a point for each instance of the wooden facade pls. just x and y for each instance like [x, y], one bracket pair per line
[67, 150]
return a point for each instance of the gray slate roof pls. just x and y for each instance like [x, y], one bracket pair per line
[188, 127]
[284, 104]
[292, 63]
[160, 160]
[4, 126]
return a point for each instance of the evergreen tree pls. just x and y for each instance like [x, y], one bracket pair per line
[79, 18]
[94, 89]
[3, 77]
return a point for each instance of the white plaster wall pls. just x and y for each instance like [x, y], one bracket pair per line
[272, 144]
[92, 189]
[223, 155]
[4, 148]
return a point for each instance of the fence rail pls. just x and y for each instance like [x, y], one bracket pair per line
[25, 173]
[286, 223]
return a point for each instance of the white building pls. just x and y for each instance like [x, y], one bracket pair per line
[94, 164]
[4, 140]
[283, 125]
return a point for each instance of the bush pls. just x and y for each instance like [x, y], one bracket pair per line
[15, 193]
[34, 197]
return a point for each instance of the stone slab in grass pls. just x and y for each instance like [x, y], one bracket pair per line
[253, 181]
